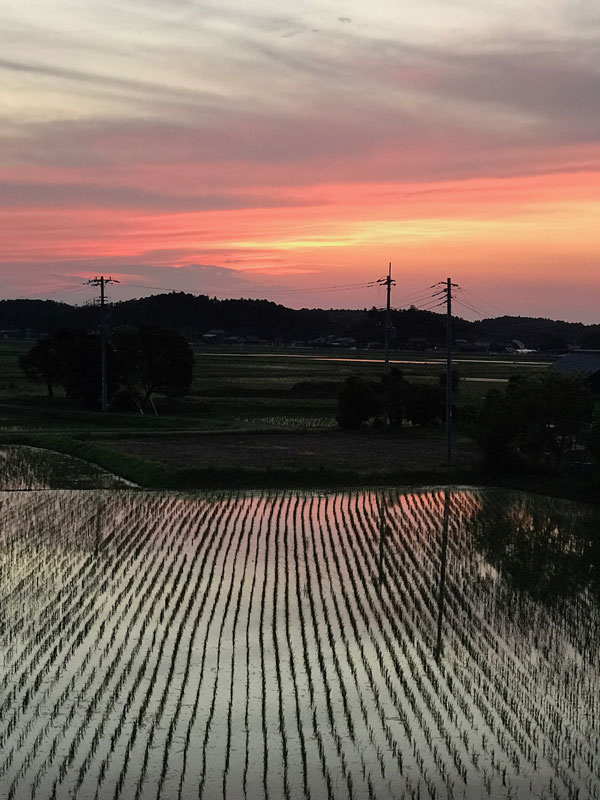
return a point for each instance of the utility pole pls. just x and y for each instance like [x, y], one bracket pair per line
[447, 291]
[387, 282]
[101, 282]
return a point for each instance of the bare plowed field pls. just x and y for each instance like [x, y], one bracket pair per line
[368, 451]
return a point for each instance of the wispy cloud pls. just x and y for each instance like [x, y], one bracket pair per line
[250, 132]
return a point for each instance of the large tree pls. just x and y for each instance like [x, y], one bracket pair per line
[150, 360]
[536, 420]
[43, 363]
[140, 361]
[70, 359]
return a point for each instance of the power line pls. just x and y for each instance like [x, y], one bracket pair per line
[64, 290]
[415, 297]
[144, 286]
[471, 307]
[341, 287]
[431, 306]
[486, 302]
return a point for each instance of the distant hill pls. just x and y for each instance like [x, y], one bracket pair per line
[195, 315]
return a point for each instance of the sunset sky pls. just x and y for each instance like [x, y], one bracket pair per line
[290, 151]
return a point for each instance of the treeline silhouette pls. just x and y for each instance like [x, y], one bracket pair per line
[194, 315]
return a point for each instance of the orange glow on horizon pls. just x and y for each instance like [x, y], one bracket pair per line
[479, 214]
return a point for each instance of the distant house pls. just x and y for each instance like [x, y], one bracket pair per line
[18, 333]
[581, 362]
[417, 343]
[214, 336]
[462, 346]
[482, 346]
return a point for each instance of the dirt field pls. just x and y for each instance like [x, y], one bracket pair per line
[362, 450]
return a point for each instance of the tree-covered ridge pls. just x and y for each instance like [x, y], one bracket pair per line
[194, 315]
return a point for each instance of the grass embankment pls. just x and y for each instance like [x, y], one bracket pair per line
[151, 474]
[138, 470]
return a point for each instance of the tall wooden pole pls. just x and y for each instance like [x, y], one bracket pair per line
[449, 370]
[388, 283]
[103, 346]
[101, 282]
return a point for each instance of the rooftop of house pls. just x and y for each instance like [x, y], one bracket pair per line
[584, 361]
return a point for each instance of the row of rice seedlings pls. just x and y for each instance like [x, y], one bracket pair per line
[292, 576]
[221, 540]
[499, 731]
[398, 764]
[210, 542]
[227, 586]
[498, 674]
[247, 642]
[79, 699]
[33, 625]
[346, 738]
[369, 603]
[215, 542]
[249, 536]
[406, 573]
[545, 653]
[548, 708]
[65, 660]
[430, 675]
[449, 744]
[58, 647]
[381, 706]
[156, 603]
[308, 634]
[341, 726]
[118, 670]
[81, 622]
[267, 531]
[278, 528]
[171, 606]
[19, 574]
[336, 578]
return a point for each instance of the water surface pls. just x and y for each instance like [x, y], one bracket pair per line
[440, 643]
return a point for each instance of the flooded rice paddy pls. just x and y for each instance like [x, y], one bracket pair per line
[432, 644]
